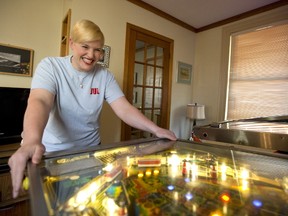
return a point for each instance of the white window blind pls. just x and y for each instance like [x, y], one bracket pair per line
[258, 74]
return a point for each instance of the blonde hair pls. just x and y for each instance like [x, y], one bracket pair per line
[86, 31]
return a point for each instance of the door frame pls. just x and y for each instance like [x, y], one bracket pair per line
[129, 59]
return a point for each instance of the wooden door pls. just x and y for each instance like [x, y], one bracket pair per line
[147, 81]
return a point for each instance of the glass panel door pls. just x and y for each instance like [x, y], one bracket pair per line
[147, 78]
[147, 87]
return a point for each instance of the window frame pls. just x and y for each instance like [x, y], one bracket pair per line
[270, 96]
[272, 17]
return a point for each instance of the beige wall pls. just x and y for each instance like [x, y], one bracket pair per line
[33, 24]
[36, 24]
[112, 16]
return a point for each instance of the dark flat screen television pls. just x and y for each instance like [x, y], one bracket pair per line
[12, 108]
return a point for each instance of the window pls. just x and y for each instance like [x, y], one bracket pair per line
[258, 73]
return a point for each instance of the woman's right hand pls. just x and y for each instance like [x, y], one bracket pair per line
[18, 161]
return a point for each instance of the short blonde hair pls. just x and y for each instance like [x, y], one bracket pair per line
[86, 31]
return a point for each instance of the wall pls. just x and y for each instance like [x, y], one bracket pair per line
[112, 16]
[30, 24]
[36, 24]
[207, 65]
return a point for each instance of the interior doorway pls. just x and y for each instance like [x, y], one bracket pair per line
[147, 77]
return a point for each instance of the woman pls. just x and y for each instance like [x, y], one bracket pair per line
[67, 95]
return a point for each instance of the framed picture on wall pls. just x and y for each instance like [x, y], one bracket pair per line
[106, 56]
[184, 73]
[16, 60]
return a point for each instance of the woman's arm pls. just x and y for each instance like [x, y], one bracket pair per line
[133, 117]
[36, 116]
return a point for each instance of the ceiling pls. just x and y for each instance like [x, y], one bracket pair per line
[200, 14]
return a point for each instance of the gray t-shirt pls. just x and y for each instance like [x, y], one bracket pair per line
[79, 97]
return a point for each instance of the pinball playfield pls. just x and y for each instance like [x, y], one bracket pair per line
[159, 177]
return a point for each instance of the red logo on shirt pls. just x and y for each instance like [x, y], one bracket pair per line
[94, 91]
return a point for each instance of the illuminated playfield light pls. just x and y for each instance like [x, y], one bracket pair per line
[170, 187]
[225, 197]
[257, 203]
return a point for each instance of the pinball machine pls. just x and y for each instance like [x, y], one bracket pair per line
[161, 177]
[265, 132]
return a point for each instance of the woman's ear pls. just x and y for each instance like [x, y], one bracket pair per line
[71, 42]
[101, 57]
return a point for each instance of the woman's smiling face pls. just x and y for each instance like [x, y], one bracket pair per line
[86, 55]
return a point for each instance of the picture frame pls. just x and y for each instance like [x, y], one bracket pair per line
[16, 60]
[184, 73]
[106, 56]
